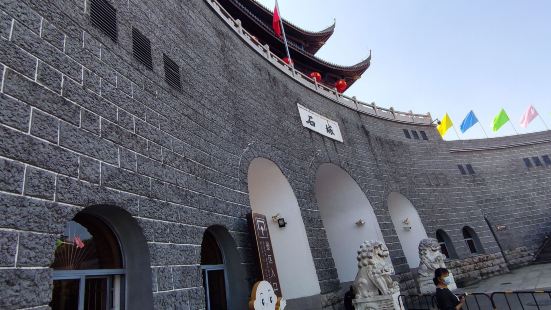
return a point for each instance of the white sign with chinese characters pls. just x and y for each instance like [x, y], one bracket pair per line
[319, 124]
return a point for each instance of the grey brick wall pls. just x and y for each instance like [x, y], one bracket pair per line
[507, 192]
[83, 123]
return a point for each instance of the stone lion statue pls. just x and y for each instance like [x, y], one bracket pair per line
[373, 278]
[430, 256]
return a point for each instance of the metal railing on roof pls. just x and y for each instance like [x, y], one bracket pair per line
[330, 93]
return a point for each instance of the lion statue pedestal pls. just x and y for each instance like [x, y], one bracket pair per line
[382, 302]
[373, 286]
[431, 259]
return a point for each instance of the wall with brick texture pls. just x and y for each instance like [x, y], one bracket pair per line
[83, 123]
[476, 268]
[513, 198]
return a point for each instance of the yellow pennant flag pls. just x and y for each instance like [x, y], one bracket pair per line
[445, 124]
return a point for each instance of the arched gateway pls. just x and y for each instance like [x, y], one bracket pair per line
[408, 226]
[272, 195]
[223, 275]
[347, 215]
[102, 262]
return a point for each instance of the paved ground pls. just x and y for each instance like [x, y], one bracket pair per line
[534, 277]
[530, 278]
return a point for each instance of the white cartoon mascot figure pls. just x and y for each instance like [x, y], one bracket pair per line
[264, 298]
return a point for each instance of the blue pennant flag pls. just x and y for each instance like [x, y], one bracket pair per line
[469, 121]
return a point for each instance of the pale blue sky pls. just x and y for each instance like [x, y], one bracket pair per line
[441, 56]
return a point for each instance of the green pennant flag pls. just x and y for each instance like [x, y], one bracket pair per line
[501, 119]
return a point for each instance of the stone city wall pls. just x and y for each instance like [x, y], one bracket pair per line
[513, 198]
[520, 256]
[83, 123]
[473, 269]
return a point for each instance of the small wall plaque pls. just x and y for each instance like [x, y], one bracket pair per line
[319, 123]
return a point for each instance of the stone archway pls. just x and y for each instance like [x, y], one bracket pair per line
[472, 242]
[271, 194]
[223, 275]
[347, 216]
[408, 226]
[112, 236]
[446, 244]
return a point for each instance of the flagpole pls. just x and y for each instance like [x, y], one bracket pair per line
[513, 127]
[285, 37]
[456, 132]
[484, 131]
[544, 123]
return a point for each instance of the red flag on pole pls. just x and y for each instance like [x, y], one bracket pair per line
[78, 242]
[276, 23]
[280, 31]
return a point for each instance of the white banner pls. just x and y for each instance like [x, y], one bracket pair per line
[319, 124]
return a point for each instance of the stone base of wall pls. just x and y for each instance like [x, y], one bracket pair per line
[333, 300]
[385, 302]
[407, 283]
[473, 269]
[519, 257]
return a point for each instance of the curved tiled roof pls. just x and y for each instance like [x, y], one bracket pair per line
[314, 39]
[310, 83]
[324, 32]
[350, 73]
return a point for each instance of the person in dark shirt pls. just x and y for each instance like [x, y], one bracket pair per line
[445, 299]
[348, 297]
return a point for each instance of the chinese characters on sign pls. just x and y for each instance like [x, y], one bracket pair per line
[265, 251]
[319, 124]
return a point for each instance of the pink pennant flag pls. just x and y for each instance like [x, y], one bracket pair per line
[528, 116]
[78, 242]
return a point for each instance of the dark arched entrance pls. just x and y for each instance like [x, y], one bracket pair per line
[446, 245]
[102, 262]
[223, 275]
[471, 241]
[214, 274]
[88, 267]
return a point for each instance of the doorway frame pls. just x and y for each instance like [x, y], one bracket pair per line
[82, 275]
[222, 266]
[218, 267]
